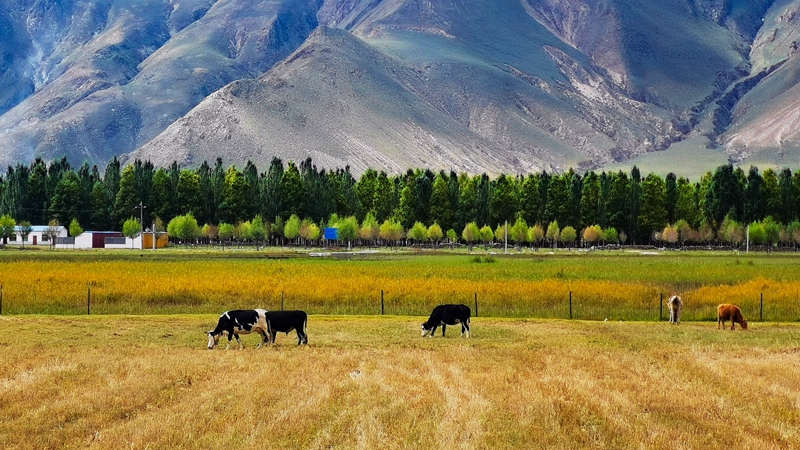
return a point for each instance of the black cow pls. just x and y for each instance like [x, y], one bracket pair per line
[286, 321]
[234, 323]
[447, 315]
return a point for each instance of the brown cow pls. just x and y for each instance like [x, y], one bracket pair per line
[730, 312]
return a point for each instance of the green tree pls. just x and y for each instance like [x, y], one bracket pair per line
[293, 192]
[441, 208]
[471, 234]
[590, 200]
[130, 229]
[723, 196]
[758, 235]
[568, 236]
[452, 236]
[258, 230]
[101, 207]
[686, 207]
[530, 199]
[536, 234]
[787, 205]
[234, 196]
[189, 193]
[75, 228]
[25, 229]
[418, 232]
[435, 233]
[772, 229]
[752, 205]
[519, 232]
[67, 198]
[391, 230]
[671, 197]
[225, 232]
[184, 228]
[348, 229]
[383, 203]
[370, 229]
[653, 211]
[365, 192]
[486, 236]
[771, 194]
[36, 193]
[292, 228]
[503, 204]
[611, 235]
[127, 200]
[553, 233]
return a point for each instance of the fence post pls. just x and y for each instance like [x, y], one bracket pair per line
[761, 313]
[281, 301]
[383, 309]
[476, 304]
[661, 308]
[88, 298]
[570, 304]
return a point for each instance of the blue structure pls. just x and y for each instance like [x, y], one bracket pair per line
[332, 234]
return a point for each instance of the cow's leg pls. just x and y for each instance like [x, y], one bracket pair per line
[239, 340]
[264, 338]
[444, 328]
[230, 336]
[678, 316]
[433, 331]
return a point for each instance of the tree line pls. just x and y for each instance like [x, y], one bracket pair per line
[619, 206]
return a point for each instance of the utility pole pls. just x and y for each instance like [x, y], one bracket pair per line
[141, 223]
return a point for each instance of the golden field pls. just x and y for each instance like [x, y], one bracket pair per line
[136, 382]
[613, 285]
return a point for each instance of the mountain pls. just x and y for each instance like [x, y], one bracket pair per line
[502, 86]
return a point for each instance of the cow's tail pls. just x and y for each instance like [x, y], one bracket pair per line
[305, 329]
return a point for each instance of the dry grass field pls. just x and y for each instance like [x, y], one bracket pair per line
[136, 382]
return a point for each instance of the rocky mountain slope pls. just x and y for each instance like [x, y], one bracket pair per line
[502, 86]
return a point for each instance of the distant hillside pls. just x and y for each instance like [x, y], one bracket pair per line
[503, 86]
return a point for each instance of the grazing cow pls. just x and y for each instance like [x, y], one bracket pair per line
[675, 306]
[447, 315]
[234, 323]
[730, 312]
[286, 321]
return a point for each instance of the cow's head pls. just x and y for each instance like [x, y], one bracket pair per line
[743, 323]
[213, 339]
[426, 331]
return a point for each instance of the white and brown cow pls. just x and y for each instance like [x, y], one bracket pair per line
[675, 306]
[726, 312]
[234, 323]
[447, 315]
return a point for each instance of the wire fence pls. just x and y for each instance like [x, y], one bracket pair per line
[571, 305]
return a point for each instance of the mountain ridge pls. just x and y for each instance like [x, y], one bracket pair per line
[508, 86]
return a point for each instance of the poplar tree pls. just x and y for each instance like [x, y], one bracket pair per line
[127, 200]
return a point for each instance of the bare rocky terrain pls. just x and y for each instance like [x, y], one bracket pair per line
[504, 86]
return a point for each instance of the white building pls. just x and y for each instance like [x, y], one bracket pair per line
[37, 236]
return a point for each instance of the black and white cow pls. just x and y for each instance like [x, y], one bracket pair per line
[243, 321]
[447, 315]
[286, 321]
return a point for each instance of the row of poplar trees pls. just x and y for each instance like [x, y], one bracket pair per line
[634, 204]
